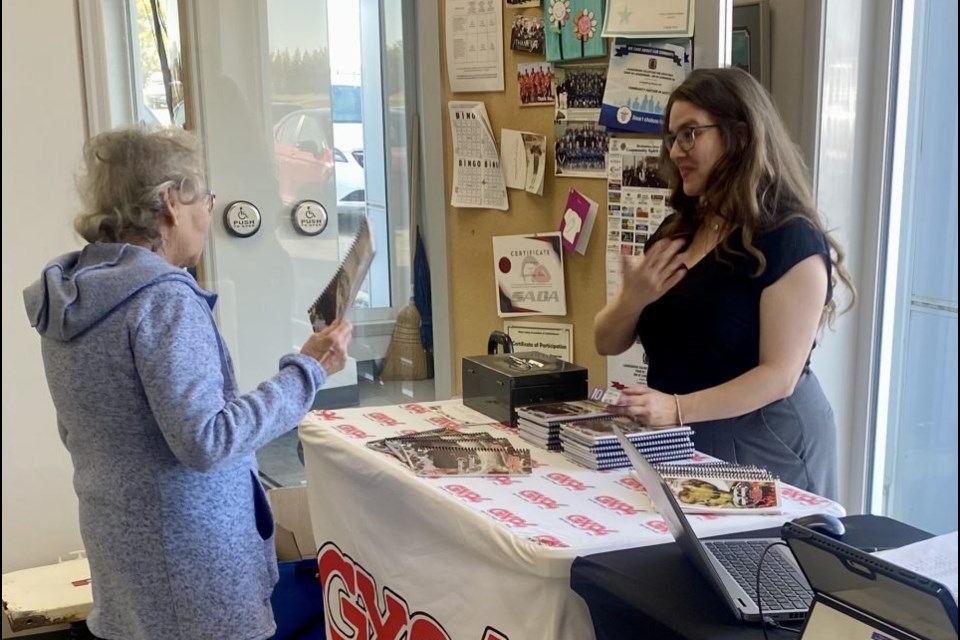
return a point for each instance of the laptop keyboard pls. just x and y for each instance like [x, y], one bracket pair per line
[780, 587]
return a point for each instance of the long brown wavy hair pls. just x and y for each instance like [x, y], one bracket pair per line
[760, 181]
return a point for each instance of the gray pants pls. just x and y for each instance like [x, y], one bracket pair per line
[795, 438]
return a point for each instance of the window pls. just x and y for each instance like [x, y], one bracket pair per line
[915, 457]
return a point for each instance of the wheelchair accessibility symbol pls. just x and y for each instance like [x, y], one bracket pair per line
[309, 217]
[241, 219]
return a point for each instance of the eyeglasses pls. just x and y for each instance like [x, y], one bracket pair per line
[686, 137]
[209, 199]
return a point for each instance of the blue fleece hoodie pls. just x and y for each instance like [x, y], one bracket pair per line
[174, 521]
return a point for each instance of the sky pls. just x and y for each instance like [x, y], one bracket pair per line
[304, 24]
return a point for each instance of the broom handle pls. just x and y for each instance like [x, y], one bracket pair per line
[414, 190]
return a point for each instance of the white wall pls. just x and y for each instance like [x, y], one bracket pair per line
[43, 132]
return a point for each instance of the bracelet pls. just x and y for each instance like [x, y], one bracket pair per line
[676, 399]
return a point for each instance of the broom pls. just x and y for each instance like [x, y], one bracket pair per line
[406, 358]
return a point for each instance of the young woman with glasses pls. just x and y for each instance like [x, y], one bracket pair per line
[733, 287]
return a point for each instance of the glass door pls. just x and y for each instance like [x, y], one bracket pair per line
[262, 74]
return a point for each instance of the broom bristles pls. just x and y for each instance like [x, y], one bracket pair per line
[406, 358]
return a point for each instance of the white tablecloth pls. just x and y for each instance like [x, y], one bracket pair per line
[470, 558]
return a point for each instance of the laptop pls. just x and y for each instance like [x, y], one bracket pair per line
[730, 566]
[858, 595]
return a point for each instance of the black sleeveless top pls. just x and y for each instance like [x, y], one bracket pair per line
[706, 330]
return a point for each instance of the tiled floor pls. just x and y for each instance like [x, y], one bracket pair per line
[280, 463]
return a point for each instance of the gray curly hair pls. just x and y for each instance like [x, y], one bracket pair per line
[125, 175]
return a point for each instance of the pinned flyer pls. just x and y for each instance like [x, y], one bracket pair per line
[529, 275]
[577, 224]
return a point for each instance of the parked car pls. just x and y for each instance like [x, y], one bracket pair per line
[305, 158]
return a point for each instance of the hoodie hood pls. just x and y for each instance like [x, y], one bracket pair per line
[78, 289]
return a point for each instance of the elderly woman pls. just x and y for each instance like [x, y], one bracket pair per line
[174, 520]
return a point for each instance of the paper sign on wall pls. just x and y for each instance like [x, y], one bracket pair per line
[522, 160]
[551, 338]
[528, 271]
[577, 223]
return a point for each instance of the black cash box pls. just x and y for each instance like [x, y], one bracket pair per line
[495, 385]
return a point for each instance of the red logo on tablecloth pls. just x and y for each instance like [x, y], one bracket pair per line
[567, 482]
[352, 431]
[792, 493]
[658, 526]
[630, 483]
[357, 609]
[502, 480]
[615, 504]
[537, 498]
[382, 418]
[589, 525]
[464, 493]
[550, 541]
[411, 407]
[444, 421]
[508, 518]
[324, 414]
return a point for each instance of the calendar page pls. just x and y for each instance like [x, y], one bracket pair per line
[477, 178]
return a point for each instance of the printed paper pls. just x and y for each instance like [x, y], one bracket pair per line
[477, 178]
[526, 34]
[521, 157]
[580, 150]
[577, 222]
[551, 338]
[641, 77]
[637, 204]
[528, 271]
[579, 92]
[655, 19]
[474, 39]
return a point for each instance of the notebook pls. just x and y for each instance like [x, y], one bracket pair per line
[341, 292]
[722, 487]
[730, 566]
[859, 595]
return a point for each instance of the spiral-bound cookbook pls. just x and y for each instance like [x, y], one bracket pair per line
[720, 487]
[341, 292]
[445, 452]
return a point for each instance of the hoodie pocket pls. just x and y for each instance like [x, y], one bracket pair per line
[261, 510]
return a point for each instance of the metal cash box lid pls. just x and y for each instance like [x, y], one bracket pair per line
[530, 368]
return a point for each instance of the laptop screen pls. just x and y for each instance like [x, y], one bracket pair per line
[873, 586]
[670, 510]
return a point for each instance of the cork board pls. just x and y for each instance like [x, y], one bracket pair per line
[473, 311]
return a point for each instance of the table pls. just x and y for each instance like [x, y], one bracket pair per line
[470, 558]
[55, 594]
[628, 598]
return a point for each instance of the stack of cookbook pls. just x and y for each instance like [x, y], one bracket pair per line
[593, 444]
[446, 452]
[539, 424]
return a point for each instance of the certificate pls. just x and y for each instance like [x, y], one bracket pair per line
[655, 19]
[528, 271]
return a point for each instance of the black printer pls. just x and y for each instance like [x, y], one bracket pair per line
[496, 384]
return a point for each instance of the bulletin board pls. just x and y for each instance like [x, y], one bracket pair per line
[473, 300]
